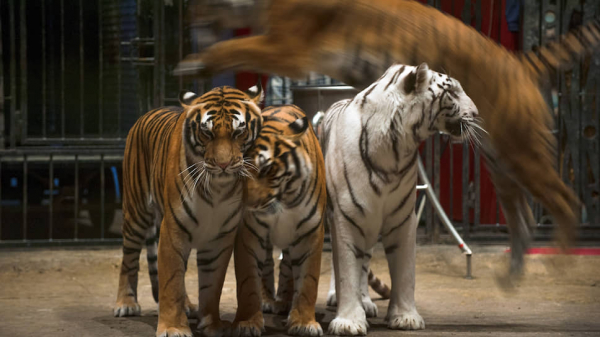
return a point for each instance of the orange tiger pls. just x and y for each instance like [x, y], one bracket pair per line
[355, 41]
[182, 173]
[286, 200]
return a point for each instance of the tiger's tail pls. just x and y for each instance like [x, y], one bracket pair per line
[562, 54]
[378, 286]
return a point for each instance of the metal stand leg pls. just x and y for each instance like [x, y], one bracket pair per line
[442, 215]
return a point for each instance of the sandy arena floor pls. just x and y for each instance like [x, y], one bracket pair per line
[70, 292]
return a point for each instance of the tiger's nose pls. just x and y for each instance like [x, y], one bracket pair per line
[224, 165]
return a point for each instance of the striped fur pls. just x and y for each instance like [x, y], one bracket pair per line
[286, 202]
[182, 175]
[354, 41]
[371, 146]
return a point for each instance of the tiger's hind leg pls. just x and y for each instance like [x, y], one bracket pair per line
[268, 279]
[538, 177]
[285, 287]
[261, 53]
[519, 220]
[370, 307]
[134, 236]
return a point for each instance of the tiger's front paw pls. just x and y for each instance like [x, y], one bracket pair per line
[410, 320]
[353, 322]
[174, 331]
[250, 328]
[311, 328]
[127, 307]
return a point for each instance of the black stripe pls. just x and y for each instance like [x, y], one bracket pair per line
[309, 232]
[391, 249]
[352, 196]
[346, 216]
[310, 214]
[398, 226]
[207, 261]
[180, 224]
[358, 253]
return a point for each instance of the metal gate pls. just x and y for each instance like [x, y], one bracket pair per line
[572, 100]
[75, 76]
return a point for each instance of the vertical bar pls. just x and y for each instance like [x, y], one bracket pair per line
[62, 68]
[13, 76]
[2, 96]
[465, 190]
[51, 197]
[499, 21]
[477, 183]
[157, 42]
[44, 99]
[478, 15]
[497, 211]
[23, 75]
[180, 40]
[436, 184]
[76, 201]
[24, 197]
[451, 211]
[100, 70]
[1, 198]
[102, 195]
[429, 215]
[81, 82]
[119, 75]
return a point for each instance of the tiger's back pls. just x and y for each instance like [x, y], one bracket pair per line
[146, 152]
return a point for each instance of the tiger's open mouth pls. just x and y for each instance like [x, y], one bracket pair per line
[454, 127]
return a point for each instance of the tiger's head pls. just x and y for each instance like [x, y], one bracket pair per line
[279, 157]
[219, 127]
[431, 102]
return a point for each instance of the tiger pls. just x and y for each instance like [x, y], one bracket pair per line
[355, 41]
[285, 199]
[183, 173]
[371, 149]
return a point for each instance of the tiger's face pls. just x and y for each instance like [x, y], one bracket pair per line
[277, 155]
[219, 127]
[434, 102]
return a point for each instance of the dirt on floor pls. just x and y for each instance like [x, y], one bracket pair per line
[70, 292]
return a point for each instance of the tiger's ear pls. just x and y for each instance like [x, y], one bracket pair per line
[186, 98]
[296, 128]
[256, 92]
[417, 80]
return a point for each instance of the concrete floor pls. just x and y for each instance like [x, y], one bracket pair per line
[70, 292]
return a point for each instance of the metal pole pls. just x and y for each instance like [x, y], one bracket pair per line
[444, 218]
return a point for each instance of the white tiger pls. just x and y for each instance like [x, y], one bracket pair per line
[371, 145]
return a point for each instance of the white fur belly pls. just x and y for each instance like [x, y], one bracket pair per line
[283, 226]
[213, 221]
